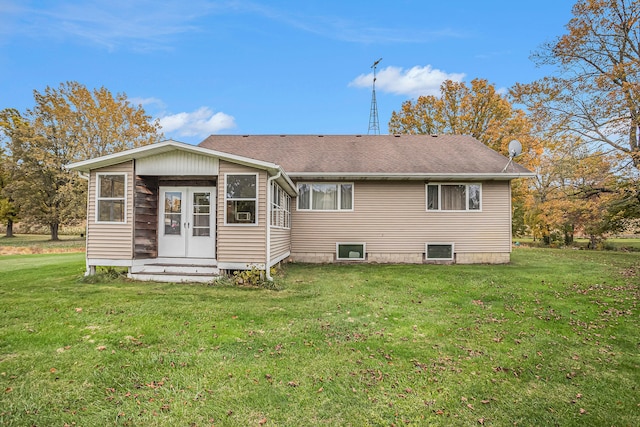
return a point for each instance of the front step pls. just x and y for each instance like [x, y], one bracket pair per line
[175, 273]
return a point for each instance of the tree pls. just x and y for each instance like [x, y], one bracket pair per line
[574, 191]
[479, 111]
[68, 124]
[89, 124]
[8, 209]
[596, 93]
[9, 118]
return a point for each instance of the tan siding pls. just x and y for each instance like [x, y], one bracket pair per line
[280, 242]
[110, 241]
[241, 243]
[177, 163]
[391, 217]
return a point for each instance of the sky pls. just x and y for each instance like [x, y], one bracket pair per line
[205, 67]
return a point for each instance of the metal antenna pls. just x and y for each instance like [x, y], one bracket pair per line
[374, 125]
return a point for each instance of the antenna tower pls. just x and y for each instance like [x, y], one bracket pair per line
[374, 125]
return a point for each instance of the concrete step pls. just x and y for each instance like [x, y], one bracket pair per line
[176, 269]
[175, 277]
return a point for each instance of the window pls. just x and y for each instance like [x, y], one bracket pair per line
[241, 199]
[439, 251]
[454, 197]
[111, 198]
[350, 251]
[325, 197]
[280, 207]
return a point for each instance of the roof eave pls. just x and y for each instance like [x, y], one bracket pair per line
[364, 176]
[86, 166]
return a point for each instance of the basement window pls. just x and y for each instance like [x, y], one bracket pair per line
[350, 251]
[439, 251]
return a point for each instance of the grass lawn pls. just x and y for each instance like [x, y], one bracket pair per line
[551, 339]
[40, 243]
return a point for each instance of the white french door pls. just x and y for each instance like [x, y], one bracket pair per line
[186, 226]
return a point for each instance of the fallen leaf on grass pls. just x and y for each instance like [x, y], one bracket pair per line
[8, 390]
[262, 421]
[78, 309]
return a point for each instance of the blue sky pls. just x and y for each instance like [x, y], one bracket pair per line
[269, 67]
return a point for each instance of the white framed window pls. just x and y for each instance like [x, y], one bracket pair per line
[454, 197]
[241, 199]
[325, 196]
[351, 251]
[111, 197]
[280, 207]
[439, 251]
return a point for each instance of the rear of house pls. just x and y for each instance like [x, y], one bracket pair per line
[174, 212]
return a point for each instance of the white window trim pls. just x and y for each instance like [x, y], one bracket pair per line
[311, 183]
[426, 251]
[98, 198]
[282, 205]
[364, 251]
[257, 213]
[439, 184]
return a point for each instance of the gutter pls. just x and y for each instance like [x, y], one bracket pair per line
[267, 264]
[412, 176]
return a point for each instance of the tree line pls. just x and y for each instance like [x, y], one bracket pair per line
[580, 130]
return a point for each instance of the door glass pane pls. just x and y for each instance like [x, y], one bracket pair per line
[173, 213]
[201, 217]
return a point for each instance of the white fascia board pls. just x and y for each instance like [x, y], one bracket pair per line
[411, 176]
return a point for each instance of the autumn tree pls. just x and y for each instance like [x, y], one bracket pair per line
[68, 124]
[9, 119]
[596, 92]
[8, 209]
[573, 191]
[478, 110]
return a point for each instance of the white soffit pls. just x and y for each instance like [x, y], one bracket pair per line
[177, 162]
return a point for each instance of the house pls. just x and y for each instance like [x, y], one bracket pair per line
[173, 211]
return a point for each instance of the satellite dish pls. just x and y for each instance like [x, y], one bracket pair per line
[515, 148]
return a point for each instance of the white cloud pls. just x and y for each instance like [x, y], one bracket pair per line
[147, 102]
[413, 82]
[201, 123]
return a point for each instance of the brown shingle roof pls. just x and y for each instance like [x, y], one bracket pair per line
[367, 154]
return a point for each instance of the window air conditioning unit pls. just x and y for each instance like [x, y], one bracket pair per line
[243, 216]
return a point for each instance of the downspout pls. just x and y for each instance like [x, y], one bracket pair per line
[88, 271]
[267, 267]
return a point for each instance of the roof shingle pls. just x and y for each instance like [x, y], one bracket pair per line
[367, 154]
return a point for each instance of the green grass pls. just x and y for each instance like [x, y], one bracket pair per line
[551, 339]
[41, 243]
